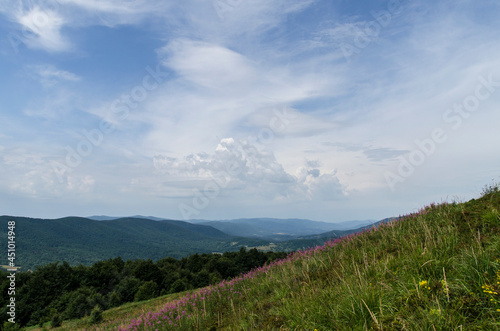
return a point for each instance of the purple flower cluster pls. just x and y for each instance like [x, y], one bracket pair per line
[174, 312]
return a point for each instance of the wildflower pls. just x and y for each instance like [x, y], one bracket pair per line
[424, 284]
[436, 312]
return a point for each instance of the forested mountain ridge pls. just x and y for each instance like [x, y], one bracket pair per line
[276, 229]
[79, 240]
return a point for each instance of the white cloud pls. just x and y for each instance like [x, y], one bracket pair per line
[209, 65]
[49, 75]
[84, 185]
[226, 22]
[215, 91]
[45, 26]
[318, 186]
[42, 23]
[111, 13]
[29, 173]
[243, 169]
[249, 164]
[123, 6]
[282, 121]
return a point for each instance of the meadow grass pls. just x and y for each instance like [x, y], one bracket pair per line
[436, 269]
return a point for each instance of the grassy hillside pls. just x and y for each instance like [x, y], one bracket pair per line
[80, 240]
[437, 269]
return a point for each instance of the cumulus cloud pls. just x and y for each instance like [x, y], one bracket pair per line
[244, 168]
[317, 185]
[242, 161]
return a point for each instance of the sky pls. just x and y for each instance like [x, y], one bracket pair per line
[327, 110]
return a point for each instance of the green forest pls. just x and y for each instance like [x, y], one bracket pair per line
[79, 240]
[59, 291]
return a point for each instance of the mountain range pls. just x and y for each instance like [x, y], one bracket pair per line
[80, 240]
[273, 229]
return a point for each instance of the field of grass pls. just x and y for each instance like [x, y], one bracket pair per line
[436, 269]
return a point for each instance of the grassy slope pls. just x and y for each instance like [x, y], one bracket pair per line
[438, 269]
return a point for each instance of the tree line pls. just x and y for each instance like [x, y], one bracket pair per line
[59, 291]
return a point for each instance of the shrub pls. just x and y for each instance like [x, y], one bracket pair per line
[7, 326]
[96, 315]
[146, 291]
[56, 321]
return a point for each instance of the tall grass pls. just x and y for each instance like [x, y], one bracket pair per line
[436, 269]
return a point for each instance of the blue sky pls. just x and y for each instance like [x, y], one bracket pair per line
[327, 110]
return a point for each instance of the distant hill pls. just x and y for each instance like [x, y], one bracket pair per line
[109, 218]
[304, 242]
[273, 229]
[339, 233]
[79, 240]
[279, 229]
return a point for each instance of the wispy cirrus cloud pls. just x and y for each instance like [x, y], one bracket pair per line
[44, 26]
[49, 75]
[209, 65]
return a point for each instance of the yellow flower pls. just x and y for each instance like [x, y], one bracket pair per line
[424, 284]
